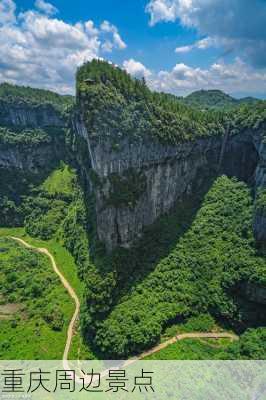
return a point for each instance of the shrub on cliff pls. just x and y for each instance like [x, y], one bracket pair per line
[25, 136]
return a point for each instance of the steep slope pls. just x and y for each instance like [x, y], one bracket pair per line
[142, 151]
[212, 267]
[144, 163]
[35, 108]
[33, 127]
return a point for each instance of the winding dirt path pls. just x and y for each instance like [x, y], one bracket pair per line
[66, 284]
[71, 327]
[182, 336]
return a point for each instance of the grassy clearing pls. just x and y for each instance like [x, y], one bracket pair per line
[192, 349]
[201, 323]
[38, 328]
[50, 344]
[61, 181]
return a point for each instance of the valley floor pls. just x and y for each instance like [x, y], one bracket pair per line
[74, 345]
[183, 268]
[13, 336]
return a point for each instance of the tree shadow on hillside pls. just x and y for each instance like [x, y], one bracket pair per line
[133, 265]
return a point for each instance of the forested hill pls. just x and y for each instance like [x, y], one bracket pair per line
[114, 104]
[132, 188]
[33, 108]
[14, 94]
[215, 99]
[33, 128]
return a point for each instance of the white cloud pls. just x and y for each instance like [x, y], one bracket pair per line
[116, 42]
[7, 12]
[184, 49]
[161, 10]
[40, 50]
[203, 44]
[237, 77]
[91, 29]
[136, 69]
[206, 43]
[236, 25]
[47, 8]
[170, 10]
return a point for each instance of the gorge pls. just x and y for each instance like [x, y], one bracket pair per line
[132, 218]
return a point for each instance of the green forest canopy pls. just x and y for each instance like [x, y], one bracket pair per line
[200, 274]
[115, 104]
[24, 94]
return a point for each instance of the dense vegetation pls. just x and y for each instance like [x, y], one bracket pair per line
[197, 260]
[251, 346]
[260, 204]
[116, 105]
[23, 136]
[215, 99]
[192, 349]
[17, 185]
[56, 210]
[176, 271]
[113, 102]
[33, 303]
[14, 94]
[126, 189]
[203, 272]
[47, 207]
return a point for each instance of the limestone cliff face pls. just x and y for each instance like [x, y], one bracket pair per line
[165, 173]
[29, 158]
[260, 184]
[26, 115]
[255, 293]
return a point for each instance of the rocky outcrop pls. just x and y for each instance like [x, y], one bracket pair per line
[36, 156]
[27, 115]
[259, 227]
[30, 158]
[255, 293]
[259, 223]
[170, 172]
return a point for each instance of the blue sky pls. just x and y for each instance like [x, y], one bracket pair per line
[178, 45]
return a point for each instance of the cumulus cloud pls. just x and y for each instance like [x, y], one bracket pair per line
[136, 69]
[38, 49]
[236, 77]
[238, 24]
[7, 12]
[203, 44]
[116, 41]
[185, 49]
[162, 10]
[47, 8]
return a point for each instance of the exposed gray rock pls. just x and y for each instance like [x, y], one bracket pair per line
[259, 222]
[31, 158]
[25, 115]
[259, 226]
[27, 158]
[170, 171]
[255, 292]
